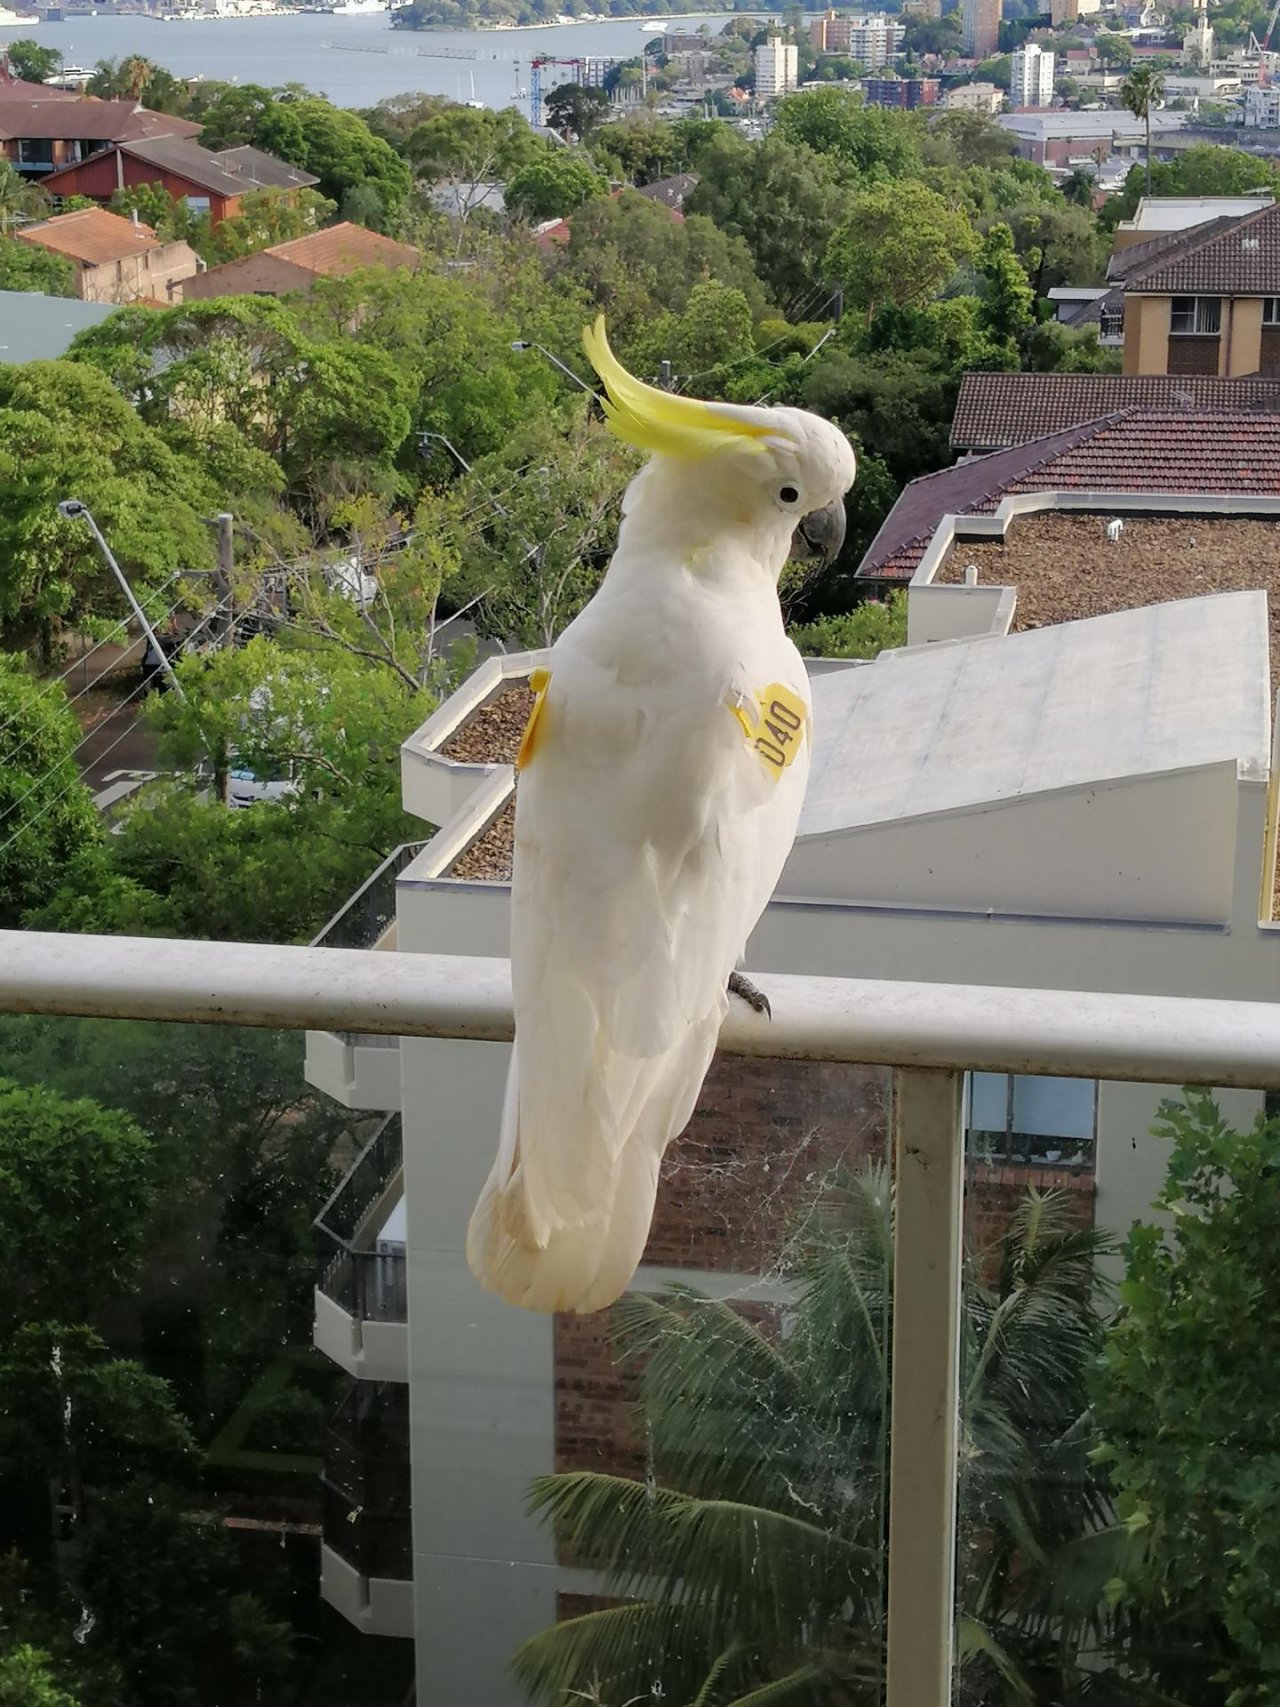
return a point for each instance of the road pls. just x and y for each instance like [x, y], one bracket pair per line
[116, 749]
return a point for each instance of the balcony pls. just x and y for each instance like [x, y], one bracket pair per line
[361, 1070]
[361, 1293]
[366, 1561]
[929, 1033]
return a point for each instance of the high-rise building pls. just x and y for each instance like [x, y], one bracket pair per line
[777, 68]
[901, 91]
[872, 39]
[981, 27]
[1031, 76]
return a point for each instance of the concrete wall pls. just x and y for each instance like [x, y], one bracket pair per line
[1146, 334]
[1152, 847]
[945, 612]
[481, 1399]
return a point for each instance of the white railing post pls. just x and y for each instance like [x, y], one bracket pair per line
[925, 1365]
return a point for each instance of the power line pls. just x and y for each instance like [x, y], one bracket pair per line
[10, 758]
[60, 680]
[40, 782]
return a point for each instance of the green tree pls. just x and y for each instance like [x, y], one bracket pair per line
[31, 62]
[575, 111]
[1186, 1403]
[339, 148]
[316, 407]
[147, 499]
[899, 243]
[464, 151]
[640, 148]
[1142, 90]
[27, 1678]
[749, 1566]
[861, 633]
[46, 814]
[783, 201]
[230, 113]
[1114, 50]
[67, 1166]
[20, 199]
[874, 141]
[551, 186]
[537, 561]
[1008, 301]
[265, 217]
[25, 266]
[629, 259]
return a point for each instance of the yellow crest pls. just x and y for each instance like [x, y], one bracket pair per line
[654, 420]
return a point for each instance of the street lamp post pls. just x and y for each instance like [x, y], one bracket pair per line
[72, 509]
[529, 344]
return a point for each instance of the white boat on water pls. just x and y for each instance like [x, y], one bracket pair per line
[352, 8]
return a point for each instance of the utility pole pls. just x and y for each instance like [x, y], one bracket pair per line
[223, 621]
[73, 510]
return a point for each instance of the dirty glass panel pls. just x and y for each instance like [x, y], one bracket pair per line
[1119, 1399]
[175, 1453]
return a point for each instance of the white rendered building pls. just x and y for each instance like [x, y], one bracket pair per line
[1031, 76]
[777, 64]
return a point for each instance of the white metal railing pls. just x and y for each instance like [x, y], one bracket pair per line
[930, 1034]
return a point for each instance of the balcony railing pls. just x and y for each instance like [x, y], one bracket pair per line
[369, 1284]
[363, 919]
[930, 1034]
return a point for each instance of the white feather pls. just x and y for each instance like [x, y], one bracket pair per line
[649, 836]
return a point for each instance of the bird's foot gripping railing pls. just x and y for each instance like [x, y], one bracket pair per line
[930, 1034]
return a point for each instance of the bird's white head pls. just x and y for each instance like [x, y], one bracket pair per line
[772, 480]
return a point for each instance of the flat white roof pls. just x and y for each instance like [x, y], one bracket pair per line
[1039, 123]
[960, 725]
[1178, 213]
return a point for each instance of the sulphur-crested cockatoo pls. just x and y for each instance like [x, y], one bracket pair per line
[660, 783]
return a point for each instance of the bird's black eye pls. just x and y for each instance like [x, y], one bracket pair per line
[789, 495]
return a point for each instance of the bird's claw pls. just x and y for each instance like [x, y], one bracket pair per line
[741, 985]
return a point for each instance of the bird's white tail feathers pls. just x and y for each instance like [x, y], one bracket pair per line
[588, 1263]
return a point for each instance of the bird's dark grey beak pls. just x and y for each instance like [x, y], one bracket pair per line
[820, 533]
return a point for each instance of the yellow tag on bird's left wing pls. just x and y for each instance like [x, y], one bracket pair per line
[539, 682]
[774, 723]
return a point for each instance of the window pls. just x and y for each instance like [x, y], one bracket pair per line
[1111, 323]
[1193, 315]
[1017, 1118]
[1271, 311]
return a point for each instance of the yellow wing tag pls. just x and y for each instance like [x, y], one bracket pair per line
[539, 682]
[774, 724]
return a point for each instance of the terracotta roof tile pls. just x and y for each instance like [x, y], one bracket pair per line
[91, 234]
[1242, 260]
[995, 410]
[1142, 450]
[343, 248]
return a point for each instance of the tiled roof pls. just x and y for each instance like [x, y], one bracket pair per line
[995, 410]
[1164, 246]
[1141, 450]
[261, 169]
[1242, 260]
[82, 118]
[18, 89]
[187, 159]
[342, 248]
[671, 192]
[92, 234]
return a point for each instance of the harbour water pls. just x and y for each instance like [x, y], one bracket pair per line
[355, 60]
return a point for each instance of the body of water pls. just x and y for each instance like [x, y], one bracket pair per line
[354, 60]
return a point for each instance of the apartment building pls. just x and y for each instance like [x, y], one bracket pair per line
[906, 93]
[1085, 804]
[1205, 300]
[872, 38]
[777, 68]
[1031, 76]
[980, 27]
[115, 260]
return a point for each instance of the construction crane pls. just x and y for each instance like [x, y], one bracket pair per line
[1263, 47]
[537, 82]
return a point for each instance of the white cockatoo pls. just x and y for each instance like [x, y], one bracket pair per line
[660, 783]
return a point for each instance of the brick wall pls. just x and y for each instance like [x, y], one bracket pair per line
[763, 1137]
[993, 1191]
[1193, 355]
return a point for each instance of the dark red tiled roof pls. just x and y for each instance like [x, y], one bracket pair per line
[995, 410]
[84, 119]
[1241, 260]
[1165, 246]
[1141, 450]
